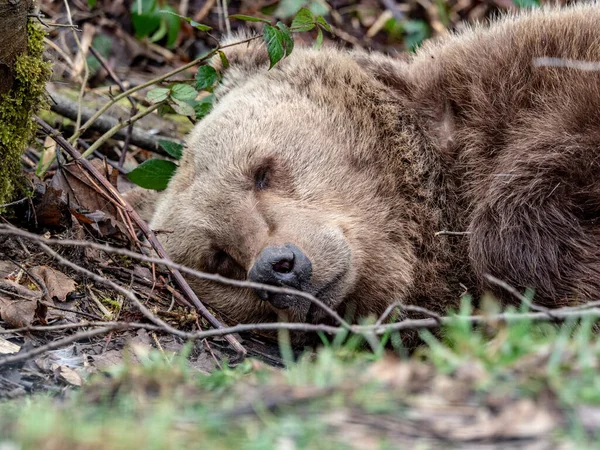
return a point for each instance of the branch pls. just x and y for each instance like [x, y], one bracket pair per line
[6, 229]
[142, 225]
[68, 108]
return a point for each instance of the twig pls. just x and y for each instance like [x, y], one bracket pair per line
[6, 205]
[568, 63]
[178, 267]
[134, 108]
[511, 290]
[142, 225]
[86, 69]
[36, 280]
[452, 233]
[141, 138]
[24, 356]
[119, 126]
[392, 6]
[70, 326]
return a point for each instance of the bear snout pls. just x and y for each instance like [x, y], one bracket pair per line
[284, 266]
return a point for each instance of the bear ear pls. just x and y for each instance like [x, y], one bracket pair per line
[391, 71]
[245, 55]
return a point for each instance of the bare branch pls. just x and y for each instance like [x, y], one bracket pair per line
[123, 205]
[567, 63]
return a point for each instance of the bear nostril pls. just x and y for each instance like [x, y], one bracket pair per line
[283, 266]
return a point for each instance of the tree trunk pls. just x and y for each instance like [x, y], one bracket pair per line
[23, 77]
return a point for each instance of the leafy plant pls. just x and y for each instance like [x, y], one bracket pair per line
[195, 100]
[156, 173]
[157, 22]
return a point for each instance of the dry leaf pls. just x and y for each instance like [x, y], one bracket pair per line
[57, 283]
[67, 374]
[17, 313]
[7, 347]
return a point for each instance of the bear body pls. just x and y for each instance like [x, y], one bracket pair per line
[335, 171]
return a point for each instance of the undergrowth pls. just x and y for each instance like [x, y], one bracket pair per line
[162, 403]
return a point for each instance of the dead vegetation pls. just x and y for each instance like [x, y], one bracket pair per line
[77, 283]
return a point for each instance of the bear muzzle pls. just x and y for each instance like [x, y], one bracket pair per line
[285, 266]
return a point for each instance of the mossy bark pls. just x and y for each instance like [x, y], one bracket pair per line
[19, 102]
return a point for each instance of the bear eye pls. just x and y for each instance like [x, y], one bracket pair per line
[261, 178]
[225, 265]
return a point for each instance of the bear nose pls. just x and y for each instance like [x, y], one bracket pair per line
[284, 266]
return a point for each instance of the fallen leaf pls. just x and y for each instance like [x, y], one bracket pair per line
[57, 283]
[86, 200]
[7, 347]
[67, 375]
[17, 313]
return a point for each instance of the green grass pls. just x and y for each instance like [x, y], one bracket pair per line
[340, 397]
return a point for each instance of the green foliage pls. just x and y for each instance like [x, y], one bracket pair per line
[304, 20]
[17, 109]
[193, 23]
[174, 149]
[103, 45]
[206, 77]
[527, 3]
[156, 24]
[246, 18]
[153, 174]
[279, 42]
[288, 8]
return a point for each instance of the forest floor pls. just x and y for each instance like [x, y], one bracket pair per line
[107, 349]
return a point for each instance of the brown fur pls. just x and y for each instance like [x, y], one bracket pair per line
[369, 156]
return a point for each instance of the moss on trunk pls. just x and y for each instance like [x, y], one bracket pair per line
[17, 108]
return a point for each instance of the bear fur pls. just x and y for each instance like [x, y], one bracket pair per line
[360, 159]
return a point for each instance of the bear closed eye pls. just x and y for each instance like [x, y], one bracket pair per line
[360, 159]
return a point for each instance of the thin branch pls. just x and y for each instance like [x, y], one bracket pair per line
[4, 229]
[139, 137]
[6, 205]
[106, 136]
[153, 81]
[142, 225]
[515, 293]
[452, 233]
[587, 66]
[134, 108]
[24, 356]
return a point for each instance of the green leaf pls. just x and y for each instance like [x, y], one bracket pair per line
[197, 25]
[224, 60]
[153, 174]
[274, 41]
[288, 39]
[174, 26]
[416, 32]
[200, 26]
[304, 20]
[161, 32]
[183, 92]
[157, 95]
[182, 107]
[248, 18]
[206, 77]
[164, 109]
[526, 3]
[204, 106]
[144, 17]
[91, 3]
[174, 149]
[319, 41]
[323, 24]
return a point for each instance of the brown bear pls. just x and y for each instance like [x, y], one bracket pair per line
[334, 171]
